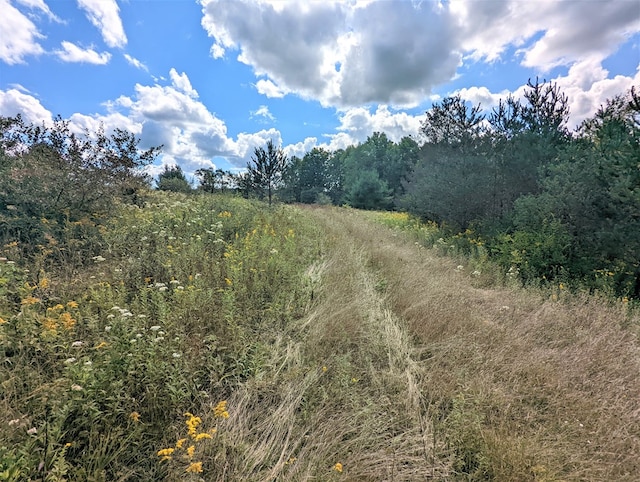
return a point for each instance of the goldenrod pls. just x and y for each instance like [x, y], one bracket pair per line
[194, 467]
[338, 467]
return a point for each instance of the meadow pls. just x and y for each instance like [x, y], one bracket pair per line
[214, 338]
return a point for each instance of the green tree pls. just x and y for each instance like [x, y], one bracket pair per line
[266, 168]
[173, 179]
[368, 191]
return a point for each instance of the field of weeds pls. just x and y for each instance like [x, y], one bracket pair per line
[213, 338]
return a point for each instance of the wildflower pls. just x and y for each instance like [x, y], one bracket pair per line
[228, 281]
[561, 286]
[148, 279]
[190, 451]
[195, 467]
[110, 316]
[77, 344]
[192, 424]
[338, 467]
[69, 361]
[76, 388]
[67, 321]
[135, 416]
[98, 259]
[72, 304]
[165, 453]
[180, 443]
[68, 444]
[2, 321]
[32, 431]
[324, 369]
[220, 410]
[290, 461]
[44, 283]
[30, 300]
[202, 436]
[155, 328]
[102, 344]
[107, 328]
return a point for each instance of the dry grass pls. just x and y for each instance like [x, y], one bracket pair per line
[534, 389]
[430, 378]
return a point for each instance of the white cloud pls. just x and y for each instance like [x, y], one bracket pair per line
[268, 88]
[546, 32]
[348, 54]
[41, 6]
[20, 36]
[105, 16]
[263, 113]
[19, 101]
[182, 83]
[73, 53]
[339, 53]
[358, 123]
[135, 62]
[588, 86]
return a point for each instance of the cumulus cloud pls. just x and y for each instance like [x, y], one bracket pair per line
[18, 100]
[72, 53]
[347, 54]
[341, 54]
[358, 123]
[546, 33]
[20, 36]
[105, 16]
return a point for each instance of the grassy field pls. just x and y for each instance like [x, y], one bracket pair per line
[214, 339]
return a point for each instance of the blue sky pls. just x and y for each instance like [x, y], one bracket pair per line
[213, 79]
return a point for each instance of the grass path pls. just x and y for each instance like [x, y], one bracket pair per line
[404, 370]
[507, 385]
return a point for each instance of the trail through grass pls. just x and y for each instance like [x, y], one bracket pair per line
[220, 340]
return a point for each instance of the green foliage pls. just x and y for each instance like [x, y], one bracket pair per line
[173, 179]
[368, 191]
[180, 304]
[264, 172]
[54, 183]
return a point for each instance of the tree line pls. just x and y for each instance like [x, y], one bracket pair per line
[548, 202]
[551, 203]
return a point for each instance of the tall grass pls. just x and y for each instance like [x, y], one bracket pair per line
[177, 309]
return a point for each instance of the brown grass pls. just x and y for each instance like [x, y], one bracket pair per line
[535, 389]
[430, 378]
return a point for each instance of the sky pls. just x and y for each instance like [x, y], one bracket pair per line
[211, 80]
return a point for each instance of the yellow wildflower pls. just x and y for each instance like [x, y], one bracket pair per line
[66, 320]
[30, 300]
[195, 467]
[192, 424]
[166, 452]
[44, 283]
[324, 369]
[338, 467]
[220, 410]
[228, 281]
[72, 304]
[190, 451]
[180, 443]
[102, 344]
[135, 416]
[68, 444]
[202, 436]
[2, 321]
